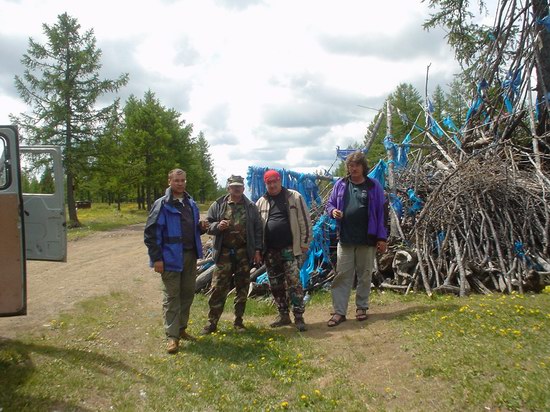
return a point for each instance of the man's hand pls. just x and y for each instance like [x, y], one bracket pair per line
[158, 266]
[258, 258]
[304, 249]
[223, 225]
[204, 225]
[337, 214]
[381, 246]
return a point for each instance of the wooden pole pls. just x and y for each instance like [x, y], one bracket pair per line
[391, 183]
[369, 139]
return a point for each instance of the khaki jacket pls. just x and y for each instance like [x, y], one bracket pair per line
[298, 214]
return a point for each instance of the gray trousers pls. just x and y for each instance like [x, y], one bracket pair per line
[178, 294]
[352, 259]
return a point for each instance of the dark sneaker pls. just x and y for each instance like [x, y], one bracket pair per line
[185, 336]
[282, 320]
[238, 325]
[208, 329]
[172, 345]
[300, 324]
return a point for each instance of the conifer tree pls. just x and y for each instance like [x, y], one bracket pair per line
[61, 84]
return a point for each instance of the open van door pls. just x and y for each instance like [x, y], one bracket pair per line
[44, 207]
[32, 226]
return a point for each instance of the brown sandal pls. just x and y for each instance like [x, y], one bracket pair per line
[361, 314]
[335, 320]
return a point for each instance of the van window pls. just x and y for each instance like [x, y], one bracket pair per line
[4, 171]
[37, 175]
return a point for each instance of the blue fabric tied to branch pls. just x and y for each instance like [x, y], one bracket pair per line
[431, 123]
[440, 237]
[343, 154]
[439, 240]
[396, 204]
[473, 108]
[390, 147]
[403, 149]
[436, 129]
[304, 183]
[318, 254]
[379, 172]
[545, 21]
[481, 90]
[417, 203]
[262, 278]
[520, 252]
[448, 122]
[511, 87]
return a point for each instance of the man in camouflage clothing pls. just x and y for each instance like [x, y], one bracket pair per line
[287, 230]
[237, 229]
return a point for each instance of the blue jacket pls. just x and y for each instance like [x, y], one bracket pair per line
[377, 221]
[163, 236]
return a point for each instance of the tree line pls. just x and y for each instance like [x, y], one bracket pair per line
[409, 117]
[112, 153]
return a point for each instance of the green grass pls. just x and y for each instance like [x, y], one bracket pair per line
[494, 349]
[108, 354]
[102, 216]
[79, 363]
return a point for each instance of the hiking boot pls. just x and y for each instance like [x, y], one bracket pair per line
[300, 324]
[172, 345]
[281, 320]
[208, 329]
[185, 336]
[238, 325]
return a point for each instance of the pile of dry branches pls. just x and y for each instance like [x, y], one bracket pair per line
[485, 221]
[485, 226]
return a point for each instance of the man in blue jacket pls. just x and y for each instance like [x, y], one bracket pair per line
[357, 204]
[173, 239]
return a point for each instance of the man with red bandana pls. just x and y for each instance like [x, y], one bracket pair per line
[287, 234]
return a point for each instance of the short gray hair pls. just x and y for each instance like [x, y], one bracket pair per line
[174, 172]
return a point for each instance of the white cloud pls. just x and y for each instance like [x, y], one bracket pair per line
[273, 83]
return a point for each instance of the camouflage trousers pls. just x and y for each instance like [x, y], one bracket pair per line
[233, 268]
[283, 271]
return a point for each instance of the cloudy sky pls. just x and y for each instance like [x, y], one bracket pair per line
[274, 83]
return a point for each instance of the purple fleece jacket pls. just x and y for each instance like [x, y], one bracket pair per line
[377, 228]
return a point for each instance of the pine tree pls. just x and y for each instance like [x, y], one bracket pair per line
[207, 177]
[61, 84]
[407, 105]
[156, 141]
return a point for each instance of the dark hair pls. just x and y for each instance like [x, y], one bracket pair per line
[359, 158]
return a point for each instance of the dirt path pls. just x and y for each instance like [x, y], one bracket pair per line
[117, 260]
[97, 265]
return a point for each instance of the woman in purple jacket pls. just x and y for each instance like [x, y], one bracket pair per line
[357, 204]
